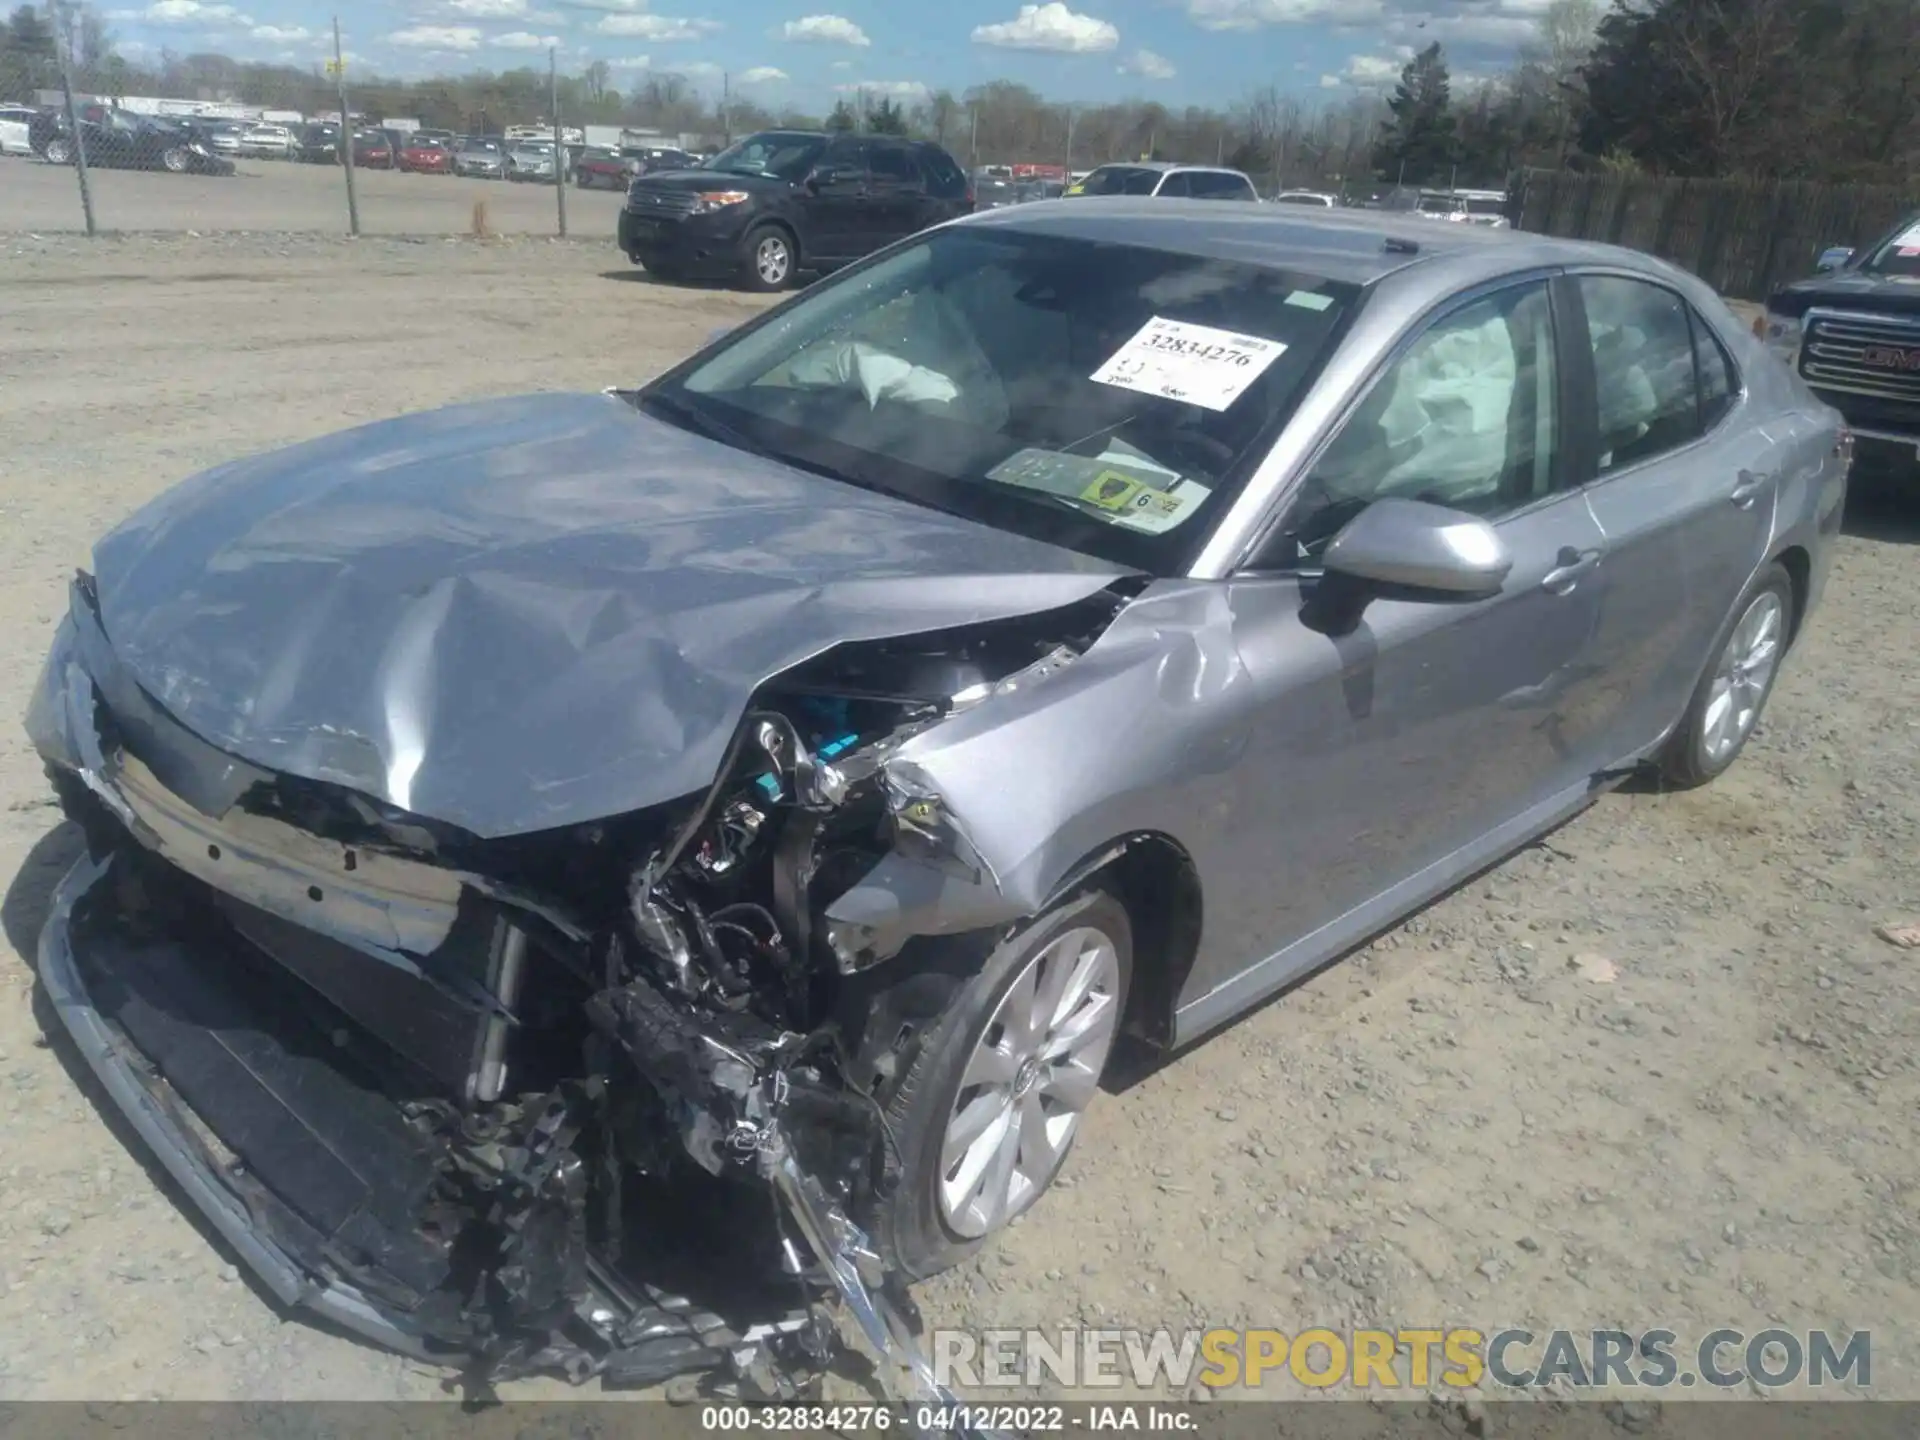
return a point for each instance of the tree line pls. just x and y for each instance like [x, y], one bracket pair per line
[1764, 88]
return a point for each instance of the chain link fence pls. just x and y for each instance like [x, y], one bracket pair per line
[81, 151]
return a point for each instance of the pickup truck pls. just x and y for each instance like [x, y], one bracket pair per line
[1852, 331]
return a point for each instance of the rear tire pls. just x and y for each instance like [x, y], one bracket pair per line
[1727, 704]
[176, 159]
[59, 152]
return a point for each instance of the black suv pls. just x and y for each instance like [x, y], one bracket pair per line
[786, 200]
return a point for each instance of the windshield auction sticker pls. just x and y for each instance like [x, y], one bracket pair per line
[1128, 490]
[1196, 364]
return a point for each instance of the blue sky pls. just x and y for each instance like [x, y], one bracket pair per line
[804, 52]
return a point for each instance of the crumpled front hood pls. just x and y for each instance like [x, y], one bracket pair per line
[522, 614]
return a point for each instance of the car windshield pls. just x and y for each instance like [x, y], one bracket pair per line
[775, 154]
[481, 147]
[1486, 206]
[1120, 180]
[1898, 256]
[1438, 205]
[1027, 382]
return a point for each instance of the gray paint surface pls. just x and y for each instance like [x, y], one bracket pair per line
[527, 613]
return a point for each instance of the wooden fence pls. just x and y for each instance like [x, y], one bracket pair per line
[1742, 237]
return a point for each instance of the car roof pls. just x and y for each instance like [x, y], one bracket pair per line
[1165, 166]
[1357, 246]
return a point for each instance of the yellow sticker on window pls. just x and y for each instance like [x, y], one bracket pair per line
[1111, 490]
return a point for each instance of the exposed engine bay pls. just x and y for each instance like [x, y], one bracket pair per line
[411, 1055]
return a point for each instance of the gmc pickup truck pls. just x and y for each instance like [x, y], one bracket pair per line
[1852, 331]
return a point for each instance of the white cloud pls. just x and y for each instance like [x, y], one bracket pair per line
[696, 70]
[1148, 65]
[825, 29]
[281, 34]
[886, 89]
[632, 62]
[842, 65]
[524, 40]
[489, 9]
[656, 27]
[761, 75]
[1049, 27]
[1252, 14]
[436, 37]
[183, 12]
[1370, 72]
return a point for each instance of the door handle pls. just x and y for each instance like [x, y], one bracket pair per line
[1751, 483]
[1571, 565]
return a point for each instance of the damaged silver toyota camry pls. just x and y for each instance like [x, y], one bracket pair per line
[583, 883]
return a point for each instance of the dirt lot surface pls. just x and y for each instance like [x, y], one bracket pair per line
[271, 195]
[1656, 1072]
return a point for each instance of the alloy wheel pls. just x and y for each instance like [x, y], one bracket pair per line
[1742, 678]
[772, 259]
[1028, 1081]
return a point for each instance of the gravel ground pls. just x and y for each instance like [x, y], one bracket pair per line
[1656, 1071]
[274, 195]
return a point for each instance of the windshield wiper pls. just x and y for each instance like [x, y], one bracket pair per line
[686, 416]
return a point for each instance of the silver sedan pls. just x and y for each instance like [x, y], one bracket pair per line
[797, 772]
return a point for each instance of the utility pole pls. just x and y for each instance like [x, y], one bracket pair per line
[346, 130]
[559, 148]
[973, 144]
[62, 48]
[726, 107]
[1072, 116]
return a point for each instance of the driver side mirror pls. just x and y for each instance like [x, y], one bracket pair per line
[1427, 550]
[1835, 257]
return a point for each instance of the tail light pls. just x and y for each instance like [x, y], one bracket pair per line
[970, 200]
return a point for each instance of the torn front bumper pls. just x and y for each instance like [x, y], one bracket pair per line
[158, 1120]
[91, 971]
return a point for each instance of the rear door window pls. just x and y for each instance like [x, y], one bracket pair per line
[1719, 381]
[890, 165]
[1219, 185]
[1643, 369]
[1177, 186]
[945, 179]
[1120, 180]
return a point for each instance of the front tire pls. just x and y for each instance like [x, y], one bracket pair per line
[1726, 705]
[176, 158]
[59, 152]
[990, 1101]
[770, 260]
